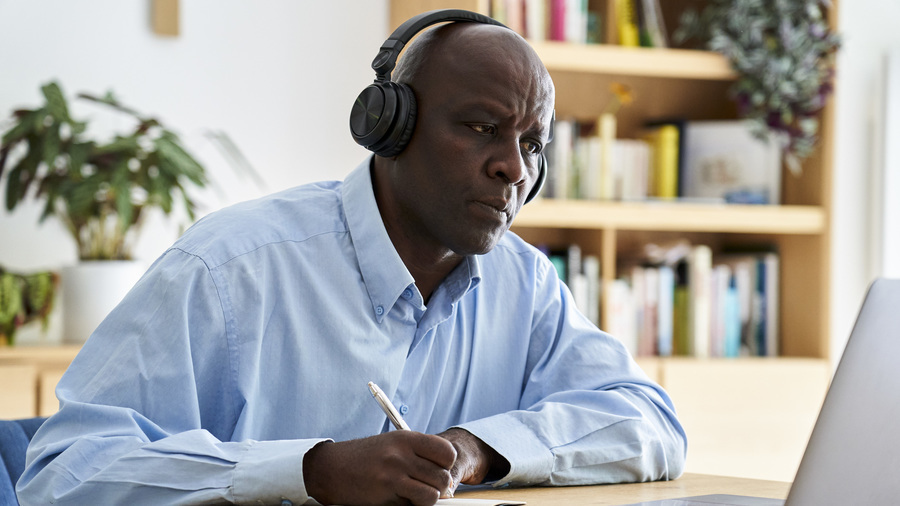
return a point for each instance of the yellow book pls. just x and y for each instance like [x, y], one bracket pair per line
[664, 177]
[626, 23]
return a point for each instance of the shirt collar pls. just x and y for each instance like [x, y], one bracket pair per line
[383, 271]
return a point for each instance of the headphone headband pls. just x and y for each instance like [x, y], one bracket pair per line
[383, 117]
[386, 59]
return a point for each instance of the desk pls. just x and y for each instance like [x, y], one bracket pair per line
[687, 485]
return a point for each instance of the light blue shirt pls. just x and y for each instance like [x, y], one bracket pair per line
[253, 338]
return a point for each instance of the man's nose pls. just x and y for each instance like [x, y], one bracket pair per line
[509, 164]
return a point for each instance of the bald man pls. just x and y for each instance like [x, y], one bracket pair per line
[236, 369]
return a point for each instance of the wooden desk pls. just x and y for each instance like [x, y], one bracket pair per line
[28, 377]
[687, 485]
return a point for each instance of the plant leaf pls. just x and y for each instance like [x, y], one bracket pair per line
[56, 101]
[128, 145]
[23, 127]
[180, 163]
[51, 144]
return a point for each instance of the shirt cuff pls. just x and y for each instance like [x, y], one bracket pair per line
[530, 460]
[272, 471]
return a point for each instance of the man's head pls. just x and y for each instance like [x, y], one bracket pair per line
[484, 112]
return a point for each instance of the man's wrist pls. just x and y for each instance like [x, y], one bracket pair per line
[315, 472]
[489, 464]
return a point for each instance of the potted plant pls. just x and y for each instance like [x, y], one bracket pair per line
[783, 52]
[101, 191]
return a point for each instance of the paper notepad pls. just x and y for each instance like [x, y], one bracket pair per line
[478, 502]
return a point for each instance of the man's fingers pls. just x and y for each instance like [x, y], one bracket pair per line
[433, 476]
[435, 449]
[417, 492]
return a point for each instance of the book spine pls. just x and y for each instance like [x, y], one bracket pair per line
[558, 20]
[699, 281]
[665, 310]
[626, 23]
[606, 127]
[667, 162]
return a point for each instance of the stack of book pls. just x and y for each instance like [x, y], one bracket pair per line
[581, 273]
[625, 22]
[699, 306]
[714, 161]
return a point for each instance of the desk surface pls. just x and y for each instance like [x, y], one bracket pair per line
[687, 485]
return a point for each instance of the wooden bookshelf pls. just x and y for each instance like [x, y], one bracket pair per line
[636, 61]
[694, 85]
[673, 216]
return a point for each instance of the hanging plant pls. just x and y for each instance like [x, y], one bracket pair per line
[783, 52]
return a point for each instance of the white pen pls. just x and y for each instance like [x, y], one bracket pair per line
[387, 407]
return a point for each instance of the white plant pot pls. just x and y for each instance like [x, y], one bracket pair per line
[90, 290]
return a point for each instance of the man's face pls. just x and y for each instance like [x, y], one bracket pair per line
[474, 156]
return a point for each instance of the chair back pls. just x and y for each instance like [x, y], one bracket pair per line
[14, 438]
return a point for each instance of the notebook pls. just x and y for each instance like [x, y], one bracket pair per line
[853, 454]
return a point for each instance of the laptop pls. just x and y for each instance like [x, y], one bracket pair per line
[853, 454]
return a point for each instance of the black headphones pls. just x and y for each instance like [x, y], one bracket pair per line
[384, 115]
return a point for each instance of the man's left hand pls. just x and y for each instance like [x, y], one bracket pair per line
[475, 460]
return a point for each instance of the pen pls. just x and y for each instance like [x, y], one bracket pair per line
[387, 407]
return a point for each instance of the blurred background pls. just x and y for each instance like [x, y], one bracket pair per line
[279, 76]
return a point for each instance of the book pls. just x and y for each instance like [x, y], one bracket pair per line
[558, 20]
[576, 21]
[515, 16]
[649, 330]
[732, 320]
[653, 25]
[560, 159]
[699, 303]
[606, 129]
[723, 159]
[756, 285]
[664, 141]
[591, 269]
[536, 19]
[767, 332]
[664, 305]
[721, 283]
[621, 319]
[680, 310]
[626, 23]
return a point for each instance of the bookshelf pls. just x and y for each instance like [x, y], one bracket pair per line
[690, 84]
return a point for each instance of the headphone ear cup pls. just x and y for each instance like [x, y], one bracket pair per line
[542, 176]
[401, 132]
[383, 118]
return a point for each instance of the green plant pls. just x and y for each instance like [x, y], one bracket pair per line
[23, 299]
[783, 52]
[99, 190]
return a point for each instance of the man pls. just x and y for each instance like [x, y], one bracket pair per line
[247, 345]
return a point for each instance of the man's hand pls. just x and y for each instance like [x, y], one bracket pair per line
[475, 460]
[399, 467]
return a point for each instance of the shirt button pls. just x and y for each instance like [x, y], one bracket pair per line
[379, 310]
[404, 409]
[407, 294]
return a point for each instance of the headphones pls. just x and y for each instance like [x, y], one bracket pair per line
[384, 115]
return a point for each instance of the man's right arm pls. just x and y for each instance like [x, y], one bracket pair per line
[148, 407]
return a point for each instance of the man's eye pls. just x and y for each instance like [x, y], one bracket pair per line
[530, 147]
[483, 129]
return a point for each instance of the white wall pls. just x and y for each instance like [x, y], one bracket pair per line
[869, 30]
[278, 76]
